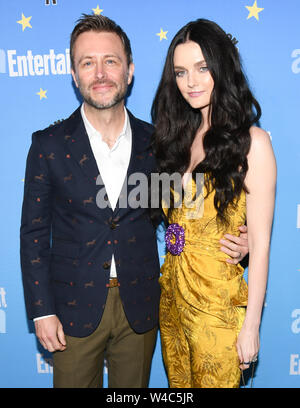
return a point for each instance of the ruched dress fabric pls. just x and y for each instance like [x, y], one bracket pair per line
[203, 299]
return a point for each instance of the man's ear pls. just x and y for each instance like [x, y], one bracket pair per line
[130, 73]
[74, 77]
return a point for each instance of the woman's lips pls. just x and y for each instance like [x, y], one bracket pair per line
[195, 94]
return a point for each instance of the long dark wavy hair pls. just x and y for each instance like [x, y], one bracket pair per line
[233, 110]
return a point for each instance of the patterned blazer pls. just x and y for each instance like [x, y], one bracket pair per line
[67, 241]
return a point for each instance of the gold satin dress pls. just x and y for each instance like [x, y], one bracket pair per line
[203, 299]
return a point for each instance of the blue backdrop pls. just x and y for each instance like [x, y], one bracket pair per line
[36, 89]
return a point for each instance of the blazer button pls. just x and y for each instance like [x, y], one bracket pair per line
[106, 265]
[113, 225]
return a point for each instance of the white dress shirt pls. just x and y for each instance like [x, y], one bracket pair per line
[112, 165]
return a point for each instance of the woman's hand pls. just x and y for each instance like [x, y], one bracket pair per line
[247, 346]
[235, 247]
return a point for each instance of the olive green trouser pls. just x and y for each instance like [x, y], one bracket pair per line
[127, 353]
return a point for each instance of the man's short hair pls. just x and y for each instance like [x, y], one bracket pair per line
[99, 23]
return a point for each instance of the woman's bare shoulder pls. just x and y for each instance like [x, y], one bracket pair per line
[260, 139]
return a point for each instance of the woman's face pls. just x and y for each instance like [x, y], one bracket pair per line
[193, 78]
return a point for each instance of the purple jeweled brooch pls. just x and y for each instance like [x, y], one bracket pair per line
[175, 231]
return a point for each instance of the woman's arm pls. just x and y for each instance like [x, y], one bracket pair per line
[261, 184]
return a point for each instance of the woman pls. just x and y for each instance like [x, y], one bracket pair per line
[204, 115]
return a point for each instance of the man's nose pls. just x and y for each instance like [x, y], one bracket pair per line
[100, 70]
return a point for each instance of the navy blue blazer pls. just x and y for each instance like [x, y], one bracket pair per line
[67, 241]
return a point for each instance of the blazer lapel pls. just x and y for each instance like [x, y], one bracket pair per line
[79, 145]
[140, 146]
[139, 150]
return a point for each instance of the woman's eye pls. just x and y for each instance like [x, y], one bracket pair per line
[203, 69]
[179, 74]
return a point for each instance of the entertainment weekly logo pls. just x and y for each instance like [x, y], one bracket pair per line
[44, 365]
[295, 358]
[31, 64]
[296, 63]
[3, 305]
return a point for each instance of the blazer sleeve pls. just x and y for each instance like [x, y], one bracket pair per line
[35, 233]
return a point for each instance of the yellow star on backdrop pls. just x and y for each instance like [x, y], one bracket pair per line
[254, 10]
[25, 22]
[162, 34]
[42, 93]
[97, 10]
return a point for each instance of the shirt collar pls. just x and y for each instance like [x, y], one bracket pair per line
[92, 132]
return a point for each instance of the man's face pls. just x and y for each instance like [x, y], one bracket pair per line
[101, 70]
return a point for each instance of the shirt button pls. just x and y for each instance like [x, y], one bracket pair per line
[106, 265]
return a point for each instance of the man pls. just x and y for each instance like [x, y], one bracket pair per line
[90, 274]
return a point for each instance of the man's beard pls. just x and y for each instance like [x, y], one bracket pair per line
[117, 98]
